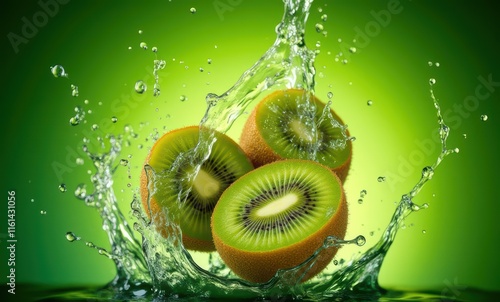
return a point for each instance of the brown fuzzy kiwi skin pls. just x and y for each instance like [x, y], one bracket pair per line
[154, 209]
[259, 152]
[260, 267]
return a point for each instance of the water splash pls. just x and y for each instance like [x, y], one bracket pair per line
[161, 267]
[132, 273]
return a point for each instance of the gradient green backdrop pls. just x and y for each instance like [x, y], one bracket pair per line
[449, 246]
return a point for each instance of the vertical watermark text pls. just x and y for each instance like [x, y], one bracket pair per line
[11, 242]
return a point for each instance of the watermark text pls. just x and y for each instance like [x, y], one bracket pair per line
[11, 242]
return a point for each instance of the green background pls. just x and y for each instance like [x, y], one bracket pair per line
[449, 246]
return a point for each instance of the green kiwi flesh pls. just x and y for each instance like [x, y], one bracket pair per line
[176, 173]
[287, 121]
[277, 216]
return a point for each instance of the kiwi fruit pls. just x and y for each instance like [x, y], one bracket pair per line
[280, 128]
[175, 172]
[276, 217]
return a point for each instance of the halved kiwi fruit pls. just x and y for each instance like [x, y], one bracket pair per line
[279, 127]
[276, 216]
[173, 166]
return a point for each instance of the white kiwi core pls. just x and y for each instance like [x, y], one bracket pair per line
[277, 206]
[205, 184]
[302, 131]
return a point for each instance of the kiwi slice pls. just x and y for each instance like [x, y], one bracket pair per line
[277, 216]
[175, 173]
[279, 127]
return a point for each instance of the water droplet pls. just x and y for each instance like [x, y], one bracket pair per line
[90, 244]
[102, 251]
[432, 81]
[94, 127]
[319, 27]
[324, 17]
[81, 191]
[192, 10]
[335, 262]
[62, 188]
[154, 49]
[381, 179]
[143, 45]
[465, 135]
[456, 150]
[58, 71]
[437, 64]
[74, 90]
[372, 233]
[43, 212]
[79, 161]
[70, 236]
[123, 162]
[209, 61]
[360, 240]
[363, 193]
[329, 95]
[424, 232]
[353, 49]
[74, 121]
[140, 87]
[344, 61]
[360, 201]
[114, 119]
[140, 31]
[32, 200]
[430, 63]
[183, 98]
[201, 69]
[484, 117]
[369, 102]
